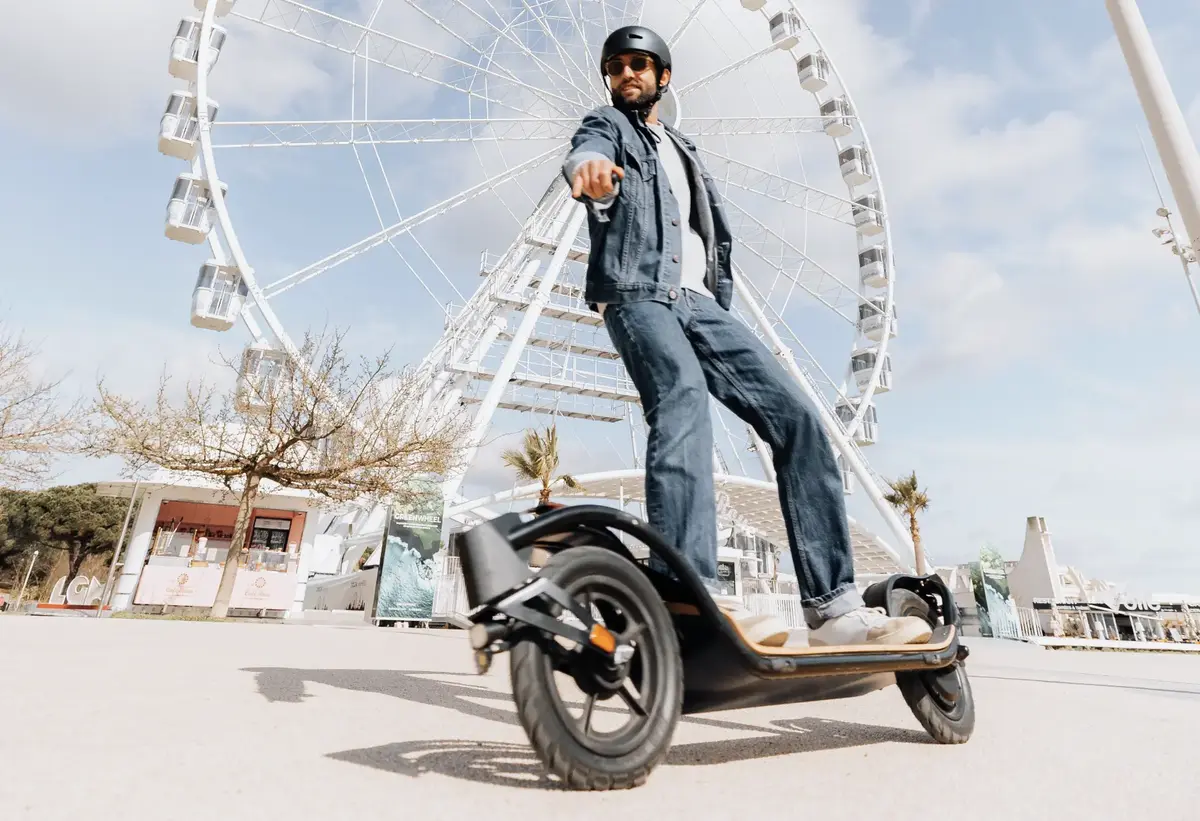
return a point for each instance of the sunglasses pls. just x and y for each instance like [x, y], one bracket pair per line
[616, 66]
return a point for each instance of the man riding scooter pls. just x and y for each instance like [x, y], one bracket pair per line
[659, 272]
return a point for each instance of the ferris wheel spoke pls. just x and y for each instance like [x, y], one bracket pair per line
[406, 225]
[789, 268]
[506, 33]
[729, 69]
[593, 76]
[268, 134]
[391, 241]
[793, 277]
[323, 28]
[505, 71]
[749, 126]
[789, 337]
[674, 38]
[540, 17]
[780, 248]
[782, 189]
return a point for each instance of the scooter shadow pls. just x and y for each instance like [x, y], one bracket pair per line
[516, 765]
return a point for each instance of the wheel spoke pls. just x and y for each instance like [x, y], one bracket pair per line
[588, 705]
[631, 633]
[630, 699]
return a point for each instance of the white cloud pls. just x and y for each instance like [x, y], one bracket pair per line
[967, 317]
[72, 67]
[132, 353]
[919, 12]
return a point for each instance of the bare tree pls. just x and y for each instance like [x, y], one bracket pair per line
[34, 425]
[310, 424]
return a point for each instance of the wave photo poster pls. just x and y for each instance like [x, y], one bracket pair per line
[407, 568]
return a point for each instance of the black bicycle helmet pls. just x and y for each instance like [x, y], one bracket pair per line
[636, 38]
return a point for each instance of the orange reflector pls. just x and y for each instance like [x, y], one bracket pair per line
[603, 639]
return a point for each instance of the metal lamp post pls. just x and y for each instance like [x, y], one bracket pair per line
[1178, 153]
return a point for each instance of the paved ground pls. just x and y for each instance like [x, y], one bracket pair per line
[165, 720]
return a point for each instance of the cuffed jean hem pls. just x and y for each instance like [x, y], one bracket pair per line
[838, 603]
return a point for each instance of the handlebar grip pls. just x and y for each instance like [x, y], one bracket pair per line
[616, 181]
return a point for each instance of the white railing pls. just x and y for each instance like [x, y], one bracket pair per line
[1030, 623]
[450, 598]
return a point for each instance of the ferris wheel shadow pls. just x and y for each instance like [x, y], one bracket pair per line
[500, 763]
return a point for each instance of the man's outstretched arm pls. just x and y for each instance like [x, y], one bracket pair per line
[590, 165]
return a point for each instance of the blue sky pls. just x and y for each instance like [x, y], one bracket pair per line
[1044, 365]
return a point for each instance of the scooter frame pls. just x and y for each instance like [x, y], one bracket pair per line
[500, 587]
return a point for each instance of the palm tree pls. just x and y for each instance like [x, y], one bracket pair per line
[906, 498]
[539, 461]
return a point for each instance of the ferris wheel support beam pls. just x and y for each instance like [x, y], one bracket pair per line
[849, 453]
[575, 214]
[1167, 125]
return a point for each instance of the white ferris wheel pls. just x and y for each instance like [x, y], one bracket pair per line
[456, 115]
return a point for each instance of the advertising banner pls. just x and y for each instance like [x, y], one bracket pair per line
[997, 613]
[411, 546]
[727, 578]
[263, 590]
[353, 592]
[179, 586]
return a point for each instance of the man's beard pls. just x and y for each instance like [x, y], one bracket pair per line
[642, 103]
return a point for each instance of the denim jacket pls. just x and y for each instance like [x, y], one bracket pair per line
[635, 235]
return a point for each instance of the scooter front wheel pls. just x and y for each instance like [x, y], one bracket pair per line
[645, 679]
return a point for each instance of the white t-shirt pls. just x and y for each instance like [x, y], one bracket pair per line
[693, 255]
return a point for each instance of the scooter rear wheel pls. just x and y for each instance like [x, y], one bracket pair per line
[624, 599]
[941, 699]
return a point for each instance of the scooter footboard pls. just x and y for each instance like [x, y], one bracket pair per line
[725, 672]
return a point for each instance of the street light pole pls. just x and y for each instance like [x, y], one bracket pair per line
[112, 567]
[28, 573]
[1168, 234]
[1175, 146]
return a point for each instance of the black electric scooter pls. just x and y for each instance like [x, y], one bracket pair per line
[563, 593]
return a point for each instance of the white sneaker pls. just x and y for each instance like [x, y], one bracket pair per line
[767, 630]
[870, 625]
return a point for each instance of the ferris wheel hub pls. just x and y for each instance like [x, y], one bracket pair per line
[670, 110]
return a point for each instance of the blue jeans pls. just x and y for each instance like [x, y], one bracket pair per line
[677, 353]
